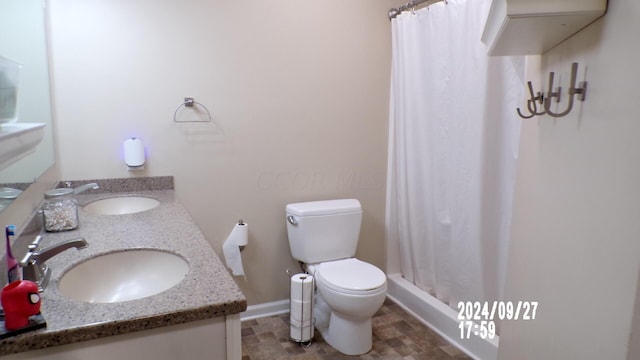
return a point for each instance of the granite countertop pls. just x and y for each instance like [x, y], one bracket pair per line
[207, 291]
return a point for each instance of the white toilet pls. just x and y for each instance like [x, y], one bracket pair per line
[323, 235]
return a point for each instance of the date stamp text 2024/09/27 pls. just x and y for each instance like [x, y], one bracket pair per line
[479, 318]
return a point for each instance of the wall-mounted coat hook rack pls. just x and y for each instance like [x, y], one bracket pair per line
[581, 91]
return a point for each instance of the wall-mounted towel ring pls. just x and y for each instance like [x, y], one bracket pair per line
[189, 102]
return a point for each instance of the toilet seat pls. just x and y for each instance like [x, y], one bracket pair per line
[351, 276]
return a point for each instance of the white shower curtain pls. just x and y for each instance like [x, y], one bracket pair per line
[453, 143]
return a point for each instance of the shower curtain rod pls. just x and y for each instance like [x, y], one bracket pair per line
[393, 12]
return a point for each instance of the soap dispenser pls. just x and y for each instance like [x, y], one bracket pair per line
[60, 209]
[134, 155]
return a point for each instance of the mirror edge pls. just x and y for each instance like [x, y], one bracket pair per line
[21, 210]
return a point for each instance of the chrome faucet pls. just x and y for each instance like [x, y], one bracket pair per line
[84, 187]
[33, 264]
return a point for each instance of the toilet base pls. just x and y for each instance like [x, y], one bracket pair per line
[348, 336]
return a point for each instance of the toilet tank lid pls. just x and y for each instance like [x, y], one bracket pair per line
[324, 207]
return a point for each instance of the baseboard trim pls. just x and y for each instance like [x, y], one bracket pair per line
[265, 309]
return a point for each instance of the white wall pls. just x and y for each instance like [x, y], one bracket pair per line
[575, 240]
[299, 97]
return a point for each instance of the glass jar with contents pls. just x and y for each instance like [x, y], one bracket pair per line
[60, 210]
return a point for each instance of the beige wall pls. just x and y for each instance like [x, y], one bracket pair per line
[298, 92]
[575, 240]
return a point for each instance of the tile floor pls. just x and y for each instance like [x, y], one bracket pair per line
[396, 335]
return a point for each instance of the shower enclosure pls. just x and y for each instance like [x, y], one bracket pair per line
[453, 145]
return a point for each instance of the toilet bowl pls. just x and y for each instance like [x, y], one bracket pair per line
[323, 235]
[349, 292]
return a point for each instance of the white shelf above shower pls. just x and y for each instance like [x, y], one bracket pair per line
[532, 27]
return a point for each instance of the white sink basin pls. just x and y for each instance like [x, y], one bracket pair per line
[123, 276]
[121, 205]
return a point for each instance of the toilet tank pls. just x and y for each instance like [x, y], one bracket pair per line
[323, 230]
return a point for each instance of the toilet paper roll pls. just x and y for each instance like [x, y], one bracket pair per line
[301, 307]
[301, 311]
[239, 236]
[301, 323]
[301, 333]
[301, 287]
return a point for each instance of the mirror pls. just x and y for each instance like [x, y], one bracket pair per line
[23, 40]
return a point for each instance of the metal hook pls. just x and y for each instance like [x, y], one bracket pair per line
[531, 103]
[581, 91]
[552, 94]
[525, 116]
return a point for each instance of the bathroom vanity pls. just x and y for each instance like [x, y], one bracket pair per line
[197, 317]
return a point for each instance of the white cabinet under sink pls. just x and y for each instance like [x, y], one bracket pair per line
[532, 27]
[215, 338]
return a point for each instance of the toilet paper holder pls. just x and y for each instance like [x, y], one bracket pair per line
[241, 222]
[301, 319]
[232, 247]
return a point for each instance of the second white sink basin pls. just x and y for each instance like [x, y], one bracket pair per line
[123, 276]
[121, 205]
